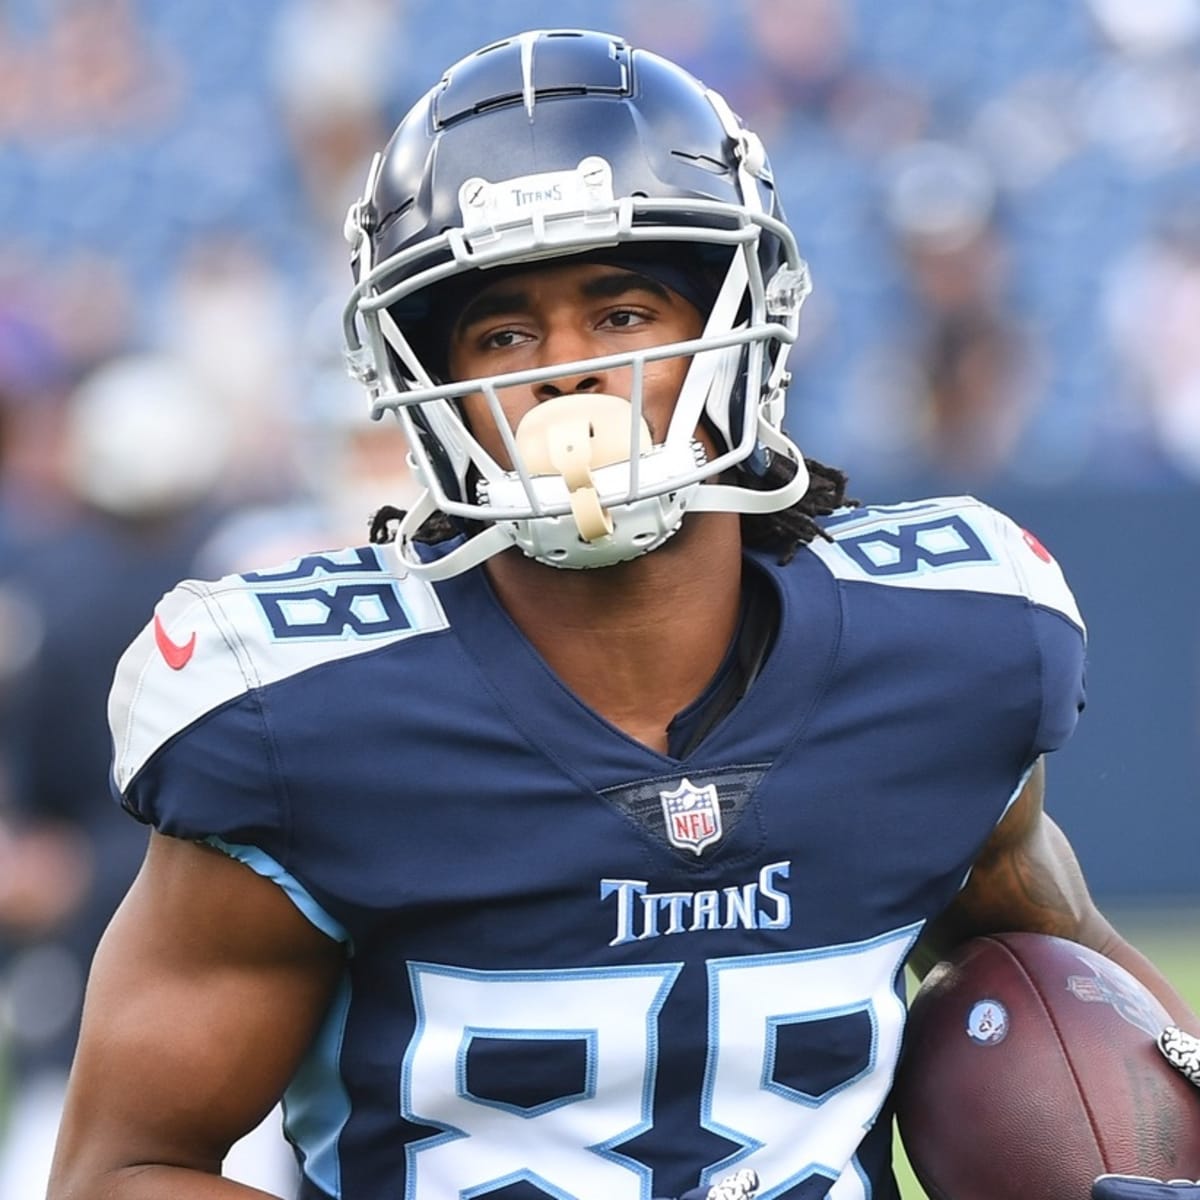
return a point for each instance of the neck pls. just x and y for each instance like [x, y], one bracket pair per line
[639, 641]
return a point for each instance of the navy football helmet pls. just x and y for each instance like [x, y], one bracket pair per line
[562, 143]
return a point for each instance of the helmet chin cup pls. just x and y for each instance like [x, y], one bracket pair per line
[571, 435]
[608, 519]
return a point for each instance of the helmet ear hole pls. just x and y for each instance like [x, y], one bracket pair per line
[738, 400]
[725, 408]
[438, 455]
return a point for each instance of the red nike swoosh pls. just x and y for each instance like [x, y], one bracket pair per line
[175, 655]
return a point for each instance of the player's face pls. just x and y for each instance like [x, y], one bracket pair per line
[566, 313]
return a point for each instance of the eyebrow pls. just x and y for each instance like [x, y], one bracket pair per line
[500, 300]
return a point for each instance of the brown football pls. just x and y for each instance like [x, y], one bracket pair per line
[1030, 1067]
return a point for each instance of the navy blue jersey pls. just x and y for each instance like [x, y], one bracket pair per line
[578, 967]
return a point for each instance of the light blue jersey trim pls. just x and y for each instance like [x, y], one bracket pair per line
[1016, 795]
[263, 864]
[316, 1105]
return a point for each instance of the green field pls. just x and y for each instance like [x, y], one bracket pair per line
[1172, 942]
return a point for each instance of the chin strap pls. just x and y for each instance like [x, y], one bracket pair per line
[444, 564]
[724, 497]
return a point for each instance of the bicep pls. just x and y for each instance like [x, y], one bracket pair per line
[1026, 878]
[204, 994]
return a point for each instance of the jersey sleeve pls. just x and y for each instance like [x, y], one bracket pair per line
[195, 709]
[1058, 628]
[959, 544]
[191, 748]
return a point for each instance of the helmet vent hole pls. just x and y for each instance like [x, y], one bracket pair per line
[391, 218]
[703, 161]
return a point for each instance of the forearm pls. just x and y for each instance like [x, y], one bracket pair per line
[205, 994]
[1028, 878]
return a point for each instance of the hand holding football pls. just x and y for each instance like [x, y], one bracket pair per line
[1030, 1067]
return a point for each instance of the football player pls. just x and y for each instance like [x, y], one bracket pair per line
[574, 842]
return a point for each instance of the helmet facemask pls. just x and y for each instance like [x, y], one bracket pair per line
[586, 487]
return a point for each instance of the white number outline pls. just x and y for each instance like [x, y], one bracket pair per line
[886, 1010]
[588, 1036]
[881, 959]
[639, 1175]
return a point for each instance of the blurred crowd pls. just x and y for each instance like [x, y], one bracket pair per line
[998, 203]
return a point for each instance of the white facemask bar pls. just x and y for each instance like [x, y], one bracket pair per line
[491, 385]
[693, 395]
[710, 364]
[705, 352]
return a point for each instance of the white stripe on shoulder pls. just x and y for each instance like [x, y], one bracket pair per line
[948, 543]
[208, 643]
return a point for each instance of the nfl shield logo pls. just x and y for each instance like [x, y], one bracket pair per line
[693, 816]
[1106, 988]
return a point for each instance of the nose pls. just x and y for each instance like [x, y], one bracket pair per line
[568, 385]
[561, 348]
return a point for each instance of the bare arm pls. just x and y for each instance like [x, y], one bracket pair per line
[204, 995]
[1028, 878]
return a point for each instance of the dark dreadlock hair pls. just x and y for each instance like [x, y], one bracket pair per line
[782, 532]
[785, 531]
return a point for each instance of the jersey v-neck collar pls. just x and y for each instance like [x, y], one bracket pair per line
[552, 717]
[745, 656]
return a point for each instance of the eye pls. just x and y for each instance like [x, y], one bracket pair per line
[502, 339]
[625, 318]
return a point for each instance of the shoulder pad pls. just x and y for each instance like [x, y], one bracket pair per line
[209, 643]
[949, 543]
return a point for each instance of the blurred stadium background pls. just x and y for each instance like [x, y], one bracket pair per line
[999, 203]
